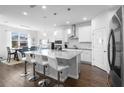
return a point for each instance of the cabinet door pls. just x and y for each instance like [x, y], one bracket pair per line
[82, 56]
[86, 56]
[84, 34]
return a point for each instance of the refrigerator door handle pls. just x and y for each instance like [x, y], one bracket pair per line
[109, 51]
[113, 50]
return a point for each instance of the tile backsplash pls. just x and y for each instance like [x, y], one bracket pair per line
[80, 45]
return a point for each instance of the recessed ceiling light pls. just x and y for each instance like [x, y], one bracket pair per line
[44, 34]
[54, 24]
[44, 7]
[69, 31]
[54, 13]
[25, 13]
[32, 6]
[67, 22]
[69, 9]
[84, 18]
[55, 33]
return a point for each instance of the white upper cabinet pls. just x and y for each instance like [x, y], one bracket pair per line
[84, 33]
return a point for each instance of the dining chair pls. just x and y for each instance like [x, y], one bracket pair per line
[24, 49]
[39, 60]
[33, 48]
[32, 60]
[59, 68]
[9, 54]
[23, 59]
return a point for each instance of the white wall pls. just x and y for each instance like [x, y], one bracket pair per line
[3, 40]
[102, 21]
[50, 34]
[84, 31]
[5, 37]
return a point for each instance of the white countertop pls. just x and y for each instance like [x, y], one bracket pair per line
[64, 54]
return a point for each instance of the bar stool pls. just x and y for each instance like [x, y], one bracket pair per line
[59, 68]
[43, 63]
[23, 59]
[32, 60]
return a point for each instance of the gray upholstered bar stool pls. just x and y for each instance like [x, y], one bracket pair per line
[32, 60]
[23, 59]
[59, 68]
[40, 61]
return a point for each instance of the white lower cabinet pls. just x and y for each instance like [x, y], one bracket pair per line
[86, 56]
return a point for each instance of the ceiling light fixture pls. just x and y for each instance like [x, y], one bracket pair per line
[54, 13]
[84, 18]
[69, 9]
[25, 13]
[44, 34]
[44, 7]
[55, 33]
[69, 31]
[67, 22]
[54, 24]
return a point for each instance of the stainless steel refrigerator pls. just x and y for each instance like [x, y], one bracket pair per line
[115, 49]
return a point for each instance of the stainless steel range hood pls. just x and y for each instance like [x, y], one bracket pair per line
[74, 33]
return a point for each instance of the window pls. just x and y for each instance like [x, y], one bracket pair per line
[19, 39]
[44, 43]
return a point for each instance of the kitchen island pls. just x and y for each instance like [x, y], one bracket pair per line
[70, 57]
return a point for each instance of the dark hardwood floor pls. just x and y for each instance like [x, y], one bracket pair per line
[90, 76]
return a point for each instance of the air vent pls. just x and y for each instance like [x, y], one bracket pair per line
[32, 6]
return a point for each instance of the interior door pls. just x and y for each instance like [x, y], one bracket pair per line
[99, 48]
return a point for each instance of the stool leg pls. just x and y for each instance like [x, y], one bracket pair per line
[44, 73]
[43, 82]
[9, 57]
[58, 82]
[25, 67]
[58, 78]
[34, 78]
[34, 69]
[25, 73]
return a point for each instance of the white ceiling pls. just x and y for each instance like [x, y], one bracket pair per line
[12, 14]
